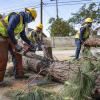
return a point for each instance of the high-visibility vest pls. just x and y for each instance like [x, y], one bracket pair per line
[31, 37]
[85, 34]
[77, 36]
[4, 24]
[34, 37]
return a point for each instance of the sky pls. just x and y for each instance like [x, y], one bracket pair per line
[64, 11]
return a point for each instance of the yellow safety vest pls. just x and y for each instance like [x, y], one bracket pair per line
[85, 35]
[31, 37]
[34, 38]
[4, 24]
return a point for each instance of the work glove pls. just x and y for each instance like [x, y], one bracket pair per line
[33, 47]
[18, 48]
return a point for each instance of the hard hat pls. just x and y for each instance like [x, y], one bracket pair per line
[88, 20]
[40, 26]
[32, 11]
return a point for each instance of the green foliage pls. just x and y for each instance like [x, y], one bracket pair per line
[59, 27]
[93, 11]
[35, 94]
[0, 16]
[86, 52]
[81, 86]
[51, 20]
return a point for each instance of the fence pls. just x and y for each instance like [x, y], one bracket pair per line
[62, 41]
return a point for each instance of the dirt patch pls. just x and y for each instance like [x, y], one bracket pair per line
[2, 94]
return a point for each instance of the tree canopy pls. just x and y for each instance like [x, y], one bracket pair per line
[92, 10]
[59, 27]
[0, 16]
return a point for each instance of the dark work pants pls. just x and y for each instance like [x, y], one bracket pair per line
[78, 48]
[5, 44]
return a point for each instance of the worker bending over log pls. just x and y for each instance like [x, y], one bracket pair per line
[41, 42]
[10, 26]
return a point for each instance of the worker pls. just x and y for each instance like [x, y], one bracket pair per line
[36, 36]
[10, 26]
[82, 35]
[42, 43]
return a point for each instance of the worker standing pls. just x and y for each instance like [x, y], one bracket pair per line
[82, 35]
[10, 26]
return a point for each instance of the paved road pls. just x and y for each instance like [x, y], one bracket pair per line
[65, 54]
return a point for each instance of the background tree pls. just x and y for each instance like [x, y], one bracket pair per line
[92, 10]
[60, 28]
[0, 16]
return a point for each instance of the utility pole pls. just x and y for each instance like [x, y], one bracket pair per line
[41, 11]
[56, 8]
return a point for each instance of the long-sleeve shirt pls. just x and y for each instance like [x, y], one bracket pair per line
[35, 36]
[82, 31]
[14, 20]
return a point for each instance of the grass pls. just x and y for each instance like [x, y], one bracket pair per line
[36, 93]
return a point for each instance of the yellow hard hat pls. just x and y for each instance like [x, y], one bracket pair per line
[32, 11]
[40, 26]
[88, 20]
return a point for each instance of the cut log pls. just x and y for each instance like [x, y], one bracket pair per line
[92, 42]
[47, 49]
[48, 53]
[59, 71]
[35, 62]
[62, 71]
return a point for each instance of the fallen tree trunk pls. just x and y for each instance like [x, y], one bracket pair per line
[59, 71]
[63, 70]
[35, 62]
[92, 42]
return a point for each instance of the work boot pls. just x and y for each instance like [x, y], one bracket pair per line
[1, 82]
[76, 59]
[4, 83]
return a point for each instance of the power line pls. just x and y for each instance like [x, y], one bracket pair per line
[27, 3]
[71, 1]
[22, 8]
[48, 5]
[60, 4]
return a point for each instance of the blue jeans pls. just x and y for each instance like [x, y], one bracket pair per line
[78, 49]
